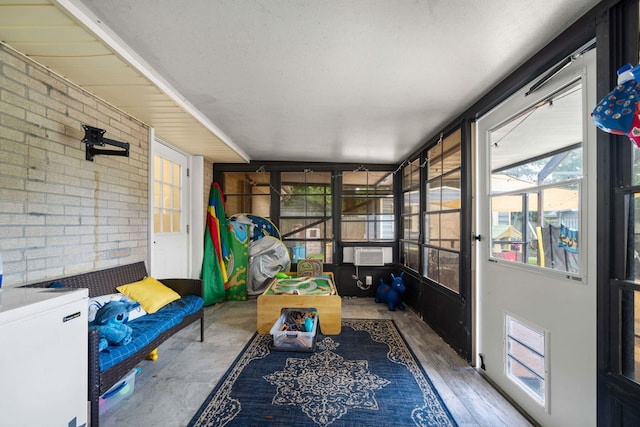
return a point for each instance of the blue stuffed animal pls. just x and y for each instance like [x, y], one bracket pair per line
[392, 294]
[111, 321]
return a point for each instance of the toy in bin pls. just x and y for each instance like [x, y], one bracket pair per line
[296, 329]
[120, 390]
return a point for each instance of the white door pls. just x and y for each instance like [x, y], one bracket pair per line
[170, 213]
[536, 275]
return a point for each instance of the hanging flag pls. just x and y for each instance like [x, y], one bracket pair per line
[214, 274]
[224, 246]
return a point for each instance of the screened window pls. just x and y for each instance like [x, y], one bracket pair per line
[629, 294]
[526, 358]
[630, 336]
[167, 190]
[367, 207]
[305, 215]
[409, 241]
[536, 186]
[247, 192]
[442, 217]
[627, 303]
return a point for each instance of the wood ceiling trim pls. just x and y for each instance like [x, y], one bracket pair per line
[48, 34]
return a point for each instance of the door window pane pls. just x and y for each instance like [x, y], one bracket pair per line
[167, 196]
[157, 226]
[535, 188]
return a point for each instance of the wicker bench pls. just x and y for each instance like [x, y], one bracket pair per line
[104, 282]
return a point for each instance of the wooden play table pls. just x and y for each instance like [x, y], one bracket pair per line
[317, 292]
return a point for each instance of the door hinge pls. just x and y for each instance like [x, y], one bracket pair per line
[187, 228]
[188, 173]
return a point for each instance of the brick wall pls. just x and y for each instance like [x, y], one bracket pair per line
[59, 213]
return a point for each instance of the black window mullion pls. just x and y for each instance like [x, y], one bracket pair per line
[276, 182]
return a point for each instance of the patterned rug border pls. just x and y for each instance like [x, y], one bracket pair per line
[432, 399]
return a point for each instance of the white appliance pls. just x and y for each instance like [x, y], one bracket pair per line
[368, 256]
[43, 357]
[349, 255]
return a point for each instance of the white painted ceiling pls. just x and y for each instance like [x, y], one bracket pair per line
[307, 80]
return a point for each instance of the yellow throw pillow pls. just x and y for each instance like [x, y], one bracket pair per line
[150, 293]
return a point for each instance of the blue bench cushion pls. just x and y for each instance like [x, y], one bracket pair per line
[148, 327]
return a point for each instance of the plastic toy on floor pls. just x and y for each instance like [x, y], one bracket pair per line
[111, 321]
[153, 355]
[392, 293]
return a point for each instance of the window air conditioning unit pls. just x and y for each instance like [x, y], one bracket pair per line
[368, 256]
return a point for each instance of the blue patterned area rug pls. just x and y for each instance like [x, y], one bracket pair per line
[366, 376]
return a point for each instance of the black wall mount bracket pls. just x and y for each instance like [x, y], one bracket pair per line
[95, 137]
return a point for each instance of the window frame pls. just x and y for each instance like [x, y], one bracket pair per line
[453, 282]
[307, 241]
[167, 196]
[336, 169]
[410, 186]
[370, 192]
[246, 198]
[572, 85]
